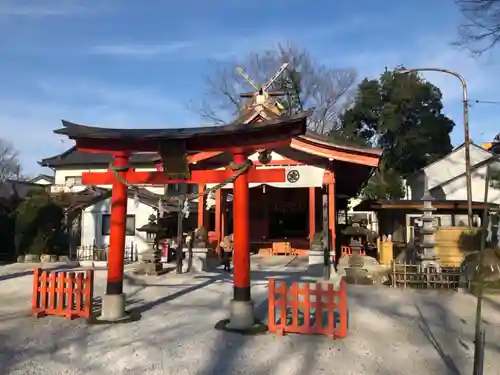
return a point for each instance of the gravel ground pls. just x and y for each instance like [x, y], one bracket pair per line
[391, 332]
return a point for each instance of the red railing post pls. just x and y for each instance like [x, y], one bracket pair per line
[62, 294]
[298, 299]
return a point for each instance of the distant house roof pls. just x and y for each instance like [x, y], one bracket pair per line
[42, 177]
[74, 157]
[18, 188]
[92, 195]
[447, 169]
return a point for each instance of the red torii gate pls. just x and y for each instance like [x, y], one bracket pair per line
[176, 145]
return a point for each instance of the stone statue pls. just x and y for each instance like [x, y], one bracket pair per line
[200, 238]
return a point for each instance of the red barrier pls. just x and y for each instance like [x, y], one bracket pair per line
[307, 308]
[346, 251]
[60, 293]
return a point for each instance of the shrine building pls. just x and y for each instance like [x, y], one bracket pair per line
[321, 176]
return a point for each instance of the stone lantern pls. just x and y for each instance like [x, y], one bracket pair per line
[151, 259]
[356, 272]
[427, 254]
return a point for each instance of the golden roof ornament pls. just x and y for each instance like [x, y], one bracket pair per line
[262, 101]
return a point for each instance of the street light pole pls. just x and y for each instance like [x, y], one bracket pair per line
[465, 102]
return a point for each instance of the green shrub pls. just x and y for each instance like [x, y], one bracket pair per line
[39, 225]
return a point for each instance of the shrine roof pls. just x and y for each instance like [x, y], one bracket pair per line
[321, 140]
[75, 131]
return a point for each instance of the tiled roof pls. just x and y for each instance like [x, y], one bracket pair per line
[11, 188]
[74, 157]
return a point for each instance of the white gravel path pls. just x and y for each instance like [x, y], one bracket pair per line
[391, 332]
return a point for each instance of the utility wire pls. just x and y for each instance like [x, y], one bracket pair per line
[484, 102]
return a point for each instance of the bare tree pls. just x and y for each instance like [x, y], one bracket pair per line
[9, 163]
[481, 30]
[316, 86]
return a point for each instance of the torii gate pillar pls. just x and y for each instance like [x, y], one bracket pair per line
[113, 302]
[241, 309]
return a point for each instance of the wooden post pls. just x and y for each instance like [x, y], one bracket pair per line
[118, 224]
[312, 212]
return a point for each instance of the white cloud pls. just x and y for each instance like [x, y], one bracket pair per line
[29, 124]
[229, 45]
[140, 50]
[49, 8]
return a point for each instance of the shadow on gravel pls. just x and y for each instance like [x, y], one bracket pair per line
[30, 272]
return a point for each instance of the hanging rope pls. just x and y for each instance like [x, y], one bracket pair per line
[238, 169]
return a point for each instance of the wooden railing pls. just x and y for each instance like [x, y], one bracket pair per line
[61, 293]
[307, 308]
[417, 277]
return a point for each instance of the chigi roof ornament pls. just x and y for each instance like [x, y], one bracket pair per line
[262, 96]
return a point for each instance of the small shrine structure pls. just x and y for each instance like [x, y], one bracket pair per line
[316, 168]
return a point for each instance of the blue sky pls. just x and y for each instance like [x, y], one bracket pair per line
[129, 63]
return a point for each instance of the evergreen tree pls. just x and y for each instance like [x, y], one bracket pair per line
[402, 114]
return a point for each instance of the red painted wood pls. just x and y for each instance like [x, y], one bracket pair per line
[118, 221]
[332, 217]
[306, 299]
[241, 224]
[201, 205]
[197, 177]
[218, 214]
[280, 162]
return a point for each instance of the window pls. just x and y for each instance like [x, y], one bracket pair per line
[176, 189]
[73, 180]
[172, 189]
[106, 225]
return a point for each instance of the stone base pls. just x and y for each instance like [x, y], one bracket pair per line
[199, 259]
[355, 275]
[316, 257]
[151, 269]
[335, 279]
[430, 263]
[113, 308]
[241, 315]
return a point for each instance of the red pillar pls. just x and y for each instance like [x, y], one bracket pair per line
[218, 208]
[312, 212]
[241, 216]
[118, 224]
[332, 217]
[201, 205]
[223, 215]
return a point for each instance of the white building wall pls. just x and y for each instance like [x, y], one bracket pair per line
[92, 224]
[457, 189]
[453, 165]
[60, 184]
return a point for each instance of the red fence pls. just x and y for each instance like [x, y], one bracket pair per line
[346, 251]
[307, 308]
[60, 293]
